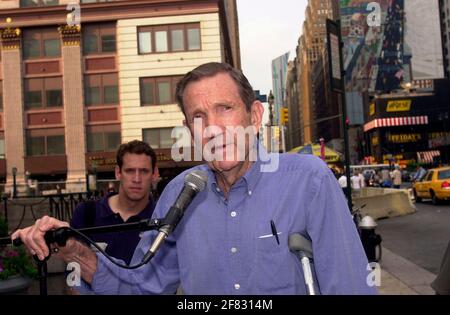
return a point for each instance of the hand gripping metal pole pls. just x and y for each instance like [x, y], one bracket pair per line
[301, 247]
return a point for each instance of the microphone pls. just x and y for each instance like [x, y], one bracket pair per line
[194, 183]
[302, 248]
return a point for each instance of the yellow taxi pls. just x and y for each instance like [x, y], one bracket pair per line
[435, 185]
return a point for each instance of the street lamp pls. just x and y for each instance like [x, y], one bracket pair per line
[14, 173]
[271, 98]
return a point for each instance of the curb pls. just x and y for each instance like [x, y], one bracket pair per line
[415, 278]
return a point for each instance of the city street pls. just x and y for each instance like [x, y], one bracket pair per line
[421, 237]
[97, 115]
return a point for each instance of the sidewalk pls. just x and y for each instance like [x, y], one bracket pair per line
[401, 276]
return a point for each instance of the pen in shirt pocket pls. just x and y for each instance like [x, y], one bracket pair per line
[274, 231]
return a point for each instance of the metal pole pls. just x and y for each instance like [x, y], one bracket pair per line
[445, 138]
[42, 271]
[5, 207]
[346, 152]
[283, 138]
[344, 122]
[14, 173]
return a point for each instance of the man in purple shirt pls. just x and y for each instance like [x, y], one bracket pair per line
[233, 238]
[136, 165]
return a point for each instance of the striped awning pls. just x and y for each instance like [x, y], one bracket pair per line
[427, 156]
[396, 121]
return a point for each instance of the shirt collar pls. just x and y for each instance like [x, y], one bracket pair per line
[106, 211]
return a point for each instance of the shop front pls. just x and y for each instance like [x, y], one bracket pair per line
[410, 127]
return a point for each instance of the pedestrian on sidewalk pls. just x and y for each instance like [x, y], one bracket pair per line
[343, 183]
[397, 177]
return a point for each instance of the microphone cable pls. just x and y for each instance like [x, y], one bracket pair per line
[103, 252]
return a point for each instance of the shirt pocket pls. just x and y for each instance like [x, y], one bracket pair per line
[277, 269]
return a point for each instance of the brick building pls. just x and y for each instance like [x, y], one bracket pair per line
[71, 94]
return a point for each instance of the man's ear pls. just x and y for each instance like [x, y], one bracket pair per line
[257, 111]
[117, 172]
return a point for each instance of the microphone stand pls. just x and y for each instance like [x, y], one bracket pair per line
[61, 235]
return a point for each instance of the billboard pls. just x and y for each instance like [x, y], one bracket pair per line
[390, 42]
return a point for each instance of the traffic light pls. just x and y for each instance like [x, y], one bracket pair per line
[284, 115]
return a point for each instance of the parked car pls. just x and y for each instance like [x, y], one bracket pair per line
[435, 185]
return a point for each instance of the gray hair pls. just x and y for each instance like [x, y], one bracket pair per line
[208, 70]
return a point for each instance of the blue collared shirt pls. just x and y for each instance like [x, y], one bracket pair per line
[225, 245]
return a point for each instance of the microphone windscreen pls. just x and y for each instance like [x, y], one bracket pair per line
[196, 179]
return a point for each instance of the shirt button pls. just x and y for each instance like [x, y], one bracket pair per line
[249, 192]
[237, 286]
[233, 250]
[233, 214]
[217, 189]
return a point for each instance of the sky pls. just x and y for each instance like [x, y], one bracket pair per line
[267, 30]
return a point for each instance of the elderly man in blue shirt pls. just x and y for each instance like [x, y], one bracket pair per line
[225, 243]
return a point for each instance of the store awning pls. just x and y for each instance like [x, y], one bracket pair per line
[331, 156]
[396, 121]
[427, 156]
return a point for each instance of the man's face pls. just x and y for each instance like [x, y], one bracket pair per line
[135, 176]
[214, 105]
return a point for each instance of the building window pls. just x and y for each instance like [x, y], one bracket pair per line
[37, 3]
[103, 141]
[101, 89]
[161, 138]
[43, 92]
[99, 39]
[169, 38]
[45, 142]
[41, 43]
[158, 90]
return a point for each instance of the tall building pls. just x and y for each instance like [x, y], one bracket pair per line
[293, 135]
[444, 8]
[71, 93]
[279, 72]
[310, 45]
[396, 51]
[326, 110]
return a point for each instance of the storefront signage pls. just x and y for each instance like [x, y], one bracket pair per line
[372, 109]
[399, 106]
[404, 138]
[160, 157]
[396, 157]
[101, 161]
[375, 140]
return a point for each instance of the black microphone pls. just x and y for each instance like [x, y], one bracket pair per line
[194, 182]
